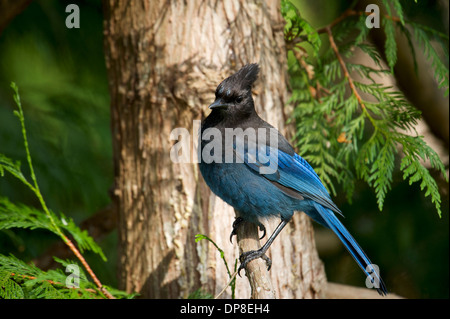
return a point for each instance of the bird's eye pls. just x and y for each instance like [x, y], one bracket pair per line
[239, 99]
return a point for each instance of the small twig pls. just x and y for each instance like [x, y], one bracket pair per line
[98, 225]
[87, 267]
[349, 13]
[32, 277]
[344, 68]
[349, 79]
[51, 282]
[226, 286]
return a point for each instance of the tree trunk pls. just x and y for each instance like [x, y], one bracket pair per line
[165, 59]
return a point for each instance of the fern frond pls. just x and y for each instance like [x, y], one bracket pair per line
[9, 289]
[345, 124]
[390, 46]
[425, 36]
[415, 172]
[13, 167]
[399, 11]
[297, 27]
[84, 241]
[381, 171]
[22, 280]
[22, 216]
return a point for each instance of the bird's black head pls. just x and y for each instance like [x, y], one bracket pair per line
[234, 94]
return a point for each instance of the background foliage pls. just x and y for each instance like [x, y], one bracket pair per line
[352, 126]
[62, 79]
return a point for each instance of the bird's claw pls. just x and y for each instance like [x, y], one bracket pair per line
[263, 229]
[248, 256]
[238, 221]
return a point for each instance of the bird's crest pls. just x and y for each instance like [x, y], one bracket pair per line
[244, 78]
[248, 74]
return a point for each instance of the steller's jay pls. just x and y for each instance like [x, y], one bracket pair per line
[252, 167]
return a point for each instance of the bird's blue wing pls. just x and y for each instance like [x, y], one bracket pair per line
[295, 174]
[290, 171]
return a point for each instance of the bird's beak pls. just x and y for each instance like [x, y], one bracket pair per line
[218, 104]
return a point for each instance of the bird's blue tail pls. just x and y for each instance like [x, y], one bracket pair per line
[372, 273]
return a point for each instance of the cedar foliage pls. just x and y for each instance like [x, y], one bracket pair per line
[21, 280]
[347, 128]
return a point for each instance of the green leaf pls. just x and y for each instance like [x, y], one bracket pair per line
[390, 45]
[200, 294]
[424, 36]
[13, 167]
[337, 135]
[199, 237]
[415, 172]
[381, 171]
[9, 289]
[21, 280]
[84, 241]
[399, 10]
[297, 27]
[22, 216]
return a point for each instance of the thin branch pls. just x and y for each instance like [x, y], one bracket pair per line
[51, 282]
[98, 225]
[88, 268]
[226, 286]
[349, 13]
[349, 79]
[344, 67]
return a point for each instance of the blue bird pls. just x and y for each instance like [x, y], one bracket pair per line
[252, 167]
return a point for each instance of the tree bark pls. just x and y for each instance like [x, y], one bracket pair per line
[165, 59]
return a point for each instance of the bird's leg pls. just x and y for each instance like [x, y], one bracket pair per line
[248, 256]
[238, 221]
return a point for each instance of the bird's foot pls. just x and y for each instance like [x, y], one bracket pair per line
[248, 256]
[238, 221]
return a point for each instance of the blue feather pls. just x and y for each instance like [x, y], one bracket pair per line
[292, 171]
[352, 246]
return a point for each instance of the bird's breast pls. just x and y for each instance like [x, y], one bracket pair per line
[248, 192]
